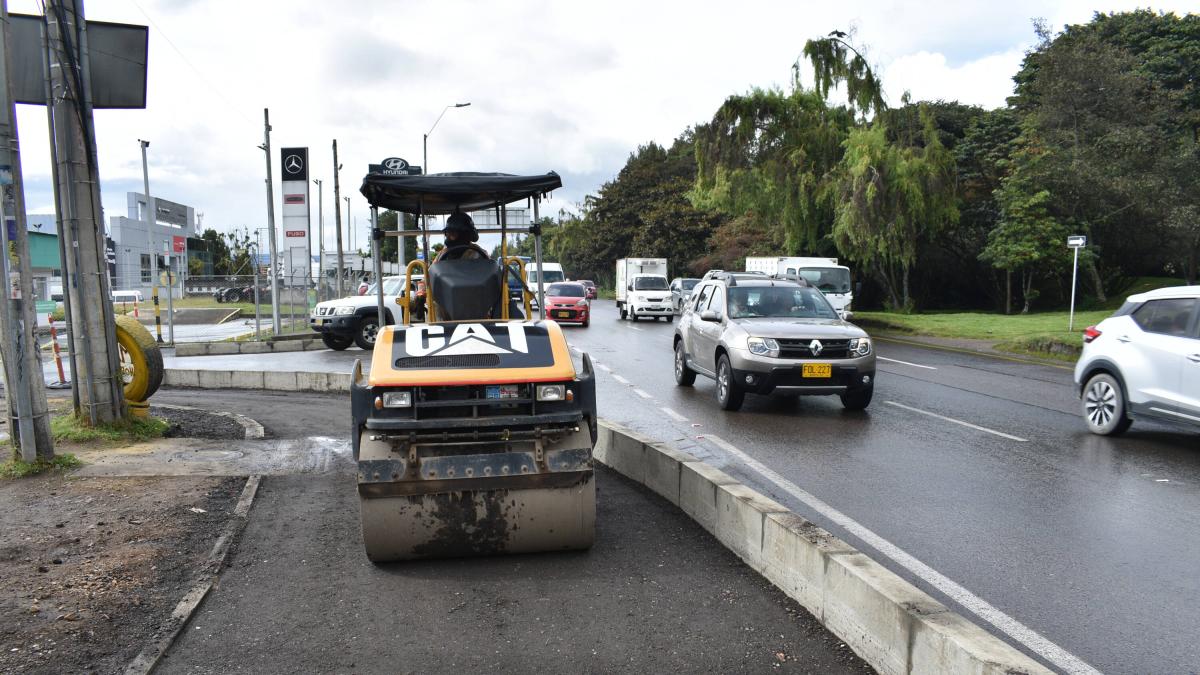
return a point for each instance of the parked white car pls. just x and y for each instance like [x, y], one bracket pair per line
[1144, 360]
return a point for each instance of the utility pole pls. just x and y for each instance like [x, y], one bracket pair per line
[337, 219]
[30, 425]
[320, 236]
[266, 147]
[82, 227]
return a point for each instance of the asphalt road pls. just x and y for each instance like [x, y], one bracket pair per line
[971, 476]
[1084, 548]
[654, 594]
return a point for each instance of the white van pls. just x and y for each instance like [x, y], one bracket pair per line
[551, 273]
[127, 297]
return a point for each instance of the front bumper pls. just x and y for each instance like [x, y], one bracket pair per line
[764, 375]
[570, 314]
[334, 325]
[663, 308]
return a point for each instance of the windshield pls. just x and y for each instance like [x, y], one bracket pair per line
[391, 286]
[828, 279]
[549, 276]
[566, 290]
[779, 301]
[650, 283]
[689, 284]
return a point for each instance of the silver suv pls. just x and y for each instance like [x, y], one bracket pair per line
[757, 334]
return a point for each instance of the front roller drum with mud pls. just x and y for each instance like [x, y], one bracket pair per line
[440, 512]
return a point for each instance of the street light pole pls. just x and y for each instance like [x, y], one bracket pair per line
[151, 217]
[425, 160]
[349, 225]
[320, 235]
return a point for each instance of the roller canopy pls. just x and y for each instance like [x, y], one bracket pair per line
[443, 193]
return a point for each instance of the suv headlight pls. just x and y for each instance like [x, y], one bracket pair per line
[860, 346]
[343, 311]
[762, 346]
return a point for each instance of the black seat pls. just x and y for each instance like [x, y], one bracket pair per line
[468, 290]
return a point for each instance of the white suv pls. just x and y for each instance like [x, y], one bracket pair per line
[1144, 360]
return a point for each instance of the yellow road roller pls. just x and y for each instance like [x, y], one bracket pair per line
[474, 429]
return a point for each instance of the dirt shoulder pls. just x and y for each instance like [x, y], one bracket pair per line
[91, 567]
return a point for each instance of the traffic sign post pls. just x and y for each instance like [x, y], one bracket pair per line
[1075, 242]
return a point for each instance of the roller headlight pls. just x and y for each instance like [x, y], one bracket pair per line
[397, 399]
[551, 392]
[343, 311]
[860, 346]
[763, 346]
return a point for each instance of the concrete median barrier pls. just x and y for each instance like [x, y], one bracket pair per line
[892, 624]
[261, 347]
[256, 379]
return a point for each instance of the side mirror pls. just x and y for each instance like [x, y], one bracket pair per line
[847, 315]
[710, 315]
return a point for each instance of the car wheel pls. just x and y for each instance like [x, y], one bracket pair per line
[1104, 406]
[729, 395]
[633, 314]
[587, 322]
[858, 399]
[368, 328]
[336, 342]
[622, 308]
[684, 376]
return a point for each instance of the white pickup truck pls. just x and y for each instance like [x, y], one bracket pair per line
[642, 288]
[355, 319]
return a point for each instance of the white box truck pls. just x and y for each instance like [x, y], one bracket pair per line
[822, 273]
[642, 288]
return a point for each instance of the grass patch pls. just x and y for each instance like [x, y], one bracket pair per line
[981, 326]
[69, 428]
[15, 468]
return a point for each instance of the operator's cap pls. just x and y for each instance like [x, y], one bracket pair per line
[461, 223]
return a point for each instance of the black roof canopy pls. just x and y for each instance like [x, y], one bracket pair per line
[444, 193]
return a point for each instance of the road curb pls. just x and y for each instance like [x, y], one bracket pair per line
[252, 428]
[232, 348]
[196, 378]
[890, 623]
[916, 341]
[152, 653]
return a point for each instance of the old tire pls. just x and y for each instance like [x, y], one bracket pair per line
[141, 359]
[364, 336]
[336, 342]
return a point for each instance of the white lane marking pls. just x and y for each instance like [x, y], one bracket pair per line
[674, 415]
[641, 393]
[965, 424]
[914, 365]
[620, 379]
[632, 326]
[1003, 622]
[603, 367]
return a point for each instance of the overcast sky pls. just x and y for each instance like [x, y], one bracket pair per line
[572, 87]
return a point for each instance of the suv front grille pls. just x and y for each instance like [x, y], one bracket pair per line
[799, 348]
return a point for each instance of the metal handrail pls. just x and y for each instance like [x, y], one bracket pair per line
[406, 298]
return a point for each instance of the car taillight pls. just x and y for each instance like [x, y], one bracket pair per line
[1090, 334]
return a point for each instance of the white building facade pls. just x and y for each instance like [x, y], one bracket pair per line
[134, 245]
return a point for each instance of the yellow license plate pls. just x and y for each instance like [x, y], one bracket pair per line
[563, 315]
[816, 370]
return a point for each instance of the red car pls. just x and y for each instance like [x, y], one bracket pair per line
[590, 287]
[568, 303]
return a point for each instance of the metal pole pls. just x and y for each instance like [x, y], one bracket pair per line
[266, 146]
[320, 236]
[377, 256]
[254, 268]
[171, 299]
[537, 251]
[151, 219]
[349, 225]
[1074, 275]
[15, 376]
[337, 220]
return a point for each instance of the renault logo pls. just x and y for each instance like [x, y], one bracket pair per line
[816, 347]
[293, 164]
[395, 164]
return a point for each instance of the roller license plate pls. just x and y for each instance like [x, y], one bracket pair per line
[817, 370]
[502, 391]
[562, 315]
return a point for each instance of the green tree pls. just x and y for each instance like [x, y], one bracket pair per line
[1027, 239]
[892, 198]
[222, 261]
[390, 250]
